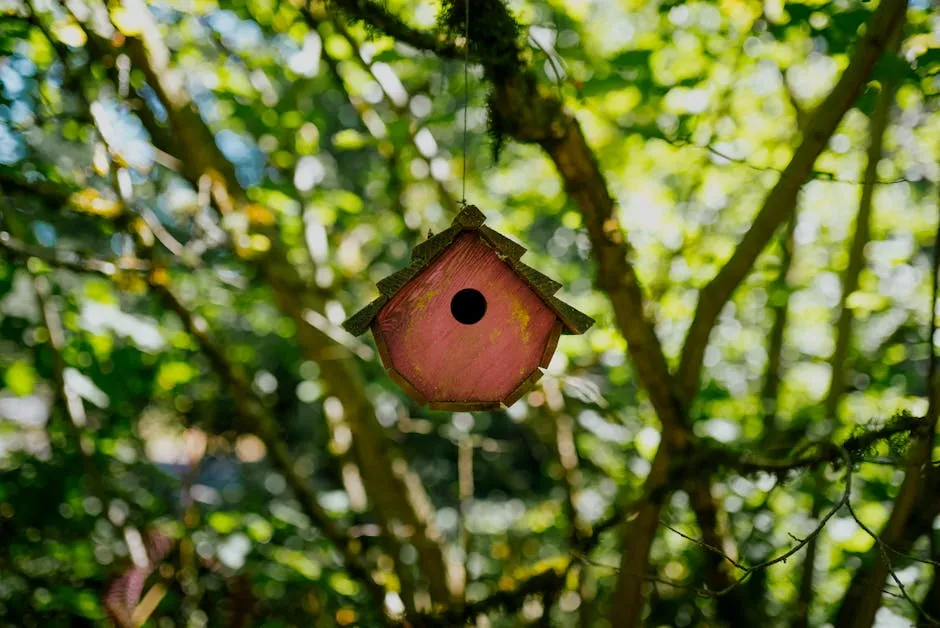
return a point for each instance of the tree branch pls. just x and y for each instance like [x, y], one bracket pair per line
[840, 454]
[399, 500]
[908, 520]
[780, 309]
[316, 15]
[523, 111]
[69, 259]
[781, 201]
[249, 406]
[262, 424]
[379, 17]
[883, 549]
[838, 362]
[801, 543]
[710, 458]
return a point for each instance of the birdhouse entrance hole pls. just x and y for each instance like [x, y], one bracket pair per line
[468, 306]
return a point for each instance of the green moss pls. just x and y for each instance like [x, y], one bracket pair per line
[494, 34]
[495, 128]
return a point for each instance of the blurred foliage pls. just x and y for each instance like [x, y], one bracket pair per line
[166, 504]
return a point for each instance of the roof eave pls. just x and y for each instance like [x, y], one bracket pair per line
[471, 219]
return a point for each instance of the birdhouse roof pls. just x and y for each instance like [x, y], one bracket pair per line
[471, 219]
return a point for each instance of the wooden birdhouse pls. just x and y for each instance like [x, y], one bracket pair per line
[467, 325]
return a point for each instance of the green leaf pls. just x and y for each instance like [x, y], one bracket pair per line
[173, 374]
[20, 378]
[350, 139]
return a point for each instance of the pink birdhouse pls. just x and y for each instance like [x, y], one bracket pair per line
[467, 325]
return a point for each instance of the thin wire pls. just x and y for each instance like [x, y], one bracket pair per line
[466, 94]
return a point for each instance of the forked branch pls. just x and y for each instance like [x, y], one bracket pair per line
[781, 201]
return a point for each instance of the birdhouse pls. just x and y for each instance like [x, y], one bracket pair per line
[467, 325]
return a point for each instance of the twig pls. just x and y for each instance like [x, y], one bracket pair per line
[251, 408]
[314, 18]
[551, 59]
[815, 175]
[780, 202]
[800, 543]
[704, 545]
[884, 548]
[70, 260]
[822, 524]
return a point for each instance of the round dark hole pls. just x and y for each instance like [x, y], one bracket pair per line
[468, 306]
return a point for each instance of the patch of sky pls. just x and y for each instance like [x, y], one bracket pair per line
[306, 60]
[11, 146]
[11, 81]
[163, 14]
[23, 65]
[100, 318]
[45, 233]
[153, 102]
[237, 34]
[124, 133]
[241, 151]
[20, 112]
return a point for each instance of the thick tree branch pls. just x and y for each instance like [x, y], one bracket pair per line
[250, 408]
[781, 201]
[615, 274]
[378, 16]
[401, 504]
[263, 425]
[527, 112]
[838, 362]
[909, 519]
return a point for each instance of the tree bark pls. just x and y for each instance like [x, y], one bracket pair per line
[838, 360]
[401, 504]
[914, 508]
[780, 203]
[780, 312]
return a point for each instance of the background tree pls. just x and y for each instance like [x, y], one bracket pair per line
[195, 195]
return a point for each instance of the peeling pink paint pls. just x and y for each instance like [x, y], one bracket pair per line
[448, 361]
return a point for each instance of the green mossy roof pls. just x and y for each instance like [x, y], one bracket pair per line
[470, 219]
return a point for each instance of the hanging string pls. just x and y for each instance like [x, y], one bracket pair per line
[466, 95]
